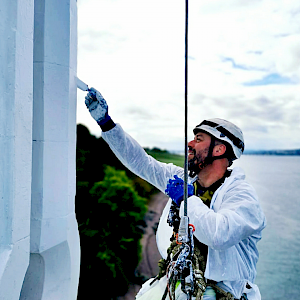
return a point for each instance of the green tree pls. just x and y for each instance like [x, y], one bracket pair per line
[110, 234]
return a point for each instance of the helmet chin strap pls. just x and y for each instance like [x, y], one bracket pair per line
[209, 158]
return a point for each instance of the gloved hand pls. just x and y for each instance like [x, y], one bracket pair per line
[175, 190]
[97, 106]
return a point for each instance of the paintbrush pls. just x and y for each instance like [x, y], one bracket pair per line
[81, 85]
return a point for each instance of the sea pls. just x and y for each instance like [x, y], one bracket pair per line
[276, 180]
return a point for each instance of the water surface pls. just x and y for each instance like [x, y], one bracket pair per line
[277, 183]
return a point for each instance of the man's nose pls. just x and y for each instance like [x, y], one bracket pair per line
[191, 143]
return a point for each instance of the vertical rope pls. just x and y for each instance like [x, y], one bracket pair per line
[186, 110]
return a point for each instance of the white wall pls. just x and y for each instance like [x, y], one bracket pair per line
[16, 81]
[54, 243]
[38, 146]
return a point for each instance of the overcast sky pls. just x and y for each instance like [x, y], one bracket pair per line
[244, 66]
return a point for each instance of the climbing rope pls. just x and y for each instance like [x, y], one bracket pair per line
[184, 264]
[186, 111]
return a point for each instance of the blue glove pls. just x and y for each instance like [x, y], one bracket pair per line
[97, 106]
[175, 190]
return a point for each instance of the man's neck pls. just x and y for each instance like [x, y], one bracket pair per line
[212, 173]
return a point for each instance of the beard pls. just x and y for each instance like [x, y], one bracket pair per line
[198, 162]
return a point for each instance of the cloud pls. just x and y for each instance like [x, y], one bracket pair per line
[287, 54]
[92, 40]
[273, 78]
[142, 113]
[244, 66]
[219, 6]
[240, 66]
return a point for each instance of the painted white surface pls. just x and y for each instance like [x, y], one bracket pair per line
[16, 84]
[53, 272]
[39, 240]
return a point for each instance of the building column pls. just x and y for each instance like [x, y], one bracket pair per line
[53, 271]
[16, 52]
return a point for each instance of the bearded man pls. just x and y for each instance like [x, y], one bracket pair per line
[222, 206]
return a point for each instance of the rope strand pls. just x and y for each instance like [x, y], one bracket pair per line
[186, 110]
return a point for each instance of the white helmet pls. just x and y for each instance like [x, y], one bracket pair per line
[225, 131]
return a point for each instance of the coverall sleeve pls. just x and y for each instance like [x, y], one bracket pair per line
[135, 158]
[239, 217]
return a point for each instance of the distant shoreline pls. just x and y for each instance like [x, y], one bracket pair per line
[294, 152]
[273, 152]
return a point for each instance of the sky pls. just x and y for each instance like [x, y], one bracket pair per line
[243, 66]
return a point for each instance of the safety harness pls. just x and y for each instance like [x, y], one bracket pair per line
[186, 262]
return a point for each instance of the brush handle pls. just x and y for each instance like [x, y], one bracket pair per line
[81, 85]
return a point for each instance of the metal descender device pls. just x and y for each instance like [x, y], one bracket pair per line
[181, 266]
[184, 260]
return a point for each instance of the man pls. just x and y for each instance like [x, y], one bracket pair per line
[222, 206]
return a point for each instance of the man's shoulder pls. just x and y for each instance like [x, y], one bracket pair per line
[237, 182]
[237, 173]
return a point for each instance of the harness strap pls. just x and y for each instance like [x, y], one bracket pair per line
[199, 264]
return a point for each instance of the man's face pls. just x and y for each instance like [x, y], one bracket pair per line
[199, 147]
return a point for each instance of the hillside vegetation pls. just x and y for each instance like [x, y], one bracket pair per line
[110, 206]
[166, 157]
[111, 203]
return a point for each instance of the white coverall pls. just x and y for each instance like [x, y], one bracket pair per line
[231, 227]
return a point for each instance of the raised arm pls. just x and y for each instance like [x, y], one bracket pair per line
[134, 157]
[128, 151]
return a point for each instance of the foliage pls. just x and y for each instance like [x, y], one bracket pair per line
[92, 154]
[110, 234]
[109, 209]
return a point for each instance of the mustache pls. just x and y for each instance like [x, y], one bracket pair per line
[193, 150]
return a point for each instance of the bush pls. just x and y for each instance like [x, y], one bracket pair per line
[110, 233]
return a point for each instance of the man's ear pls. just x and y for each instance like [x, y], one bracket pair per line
[219, 150]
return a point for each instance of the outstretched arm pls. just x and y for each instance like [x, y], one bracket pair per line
[135, 158]
[128, 151]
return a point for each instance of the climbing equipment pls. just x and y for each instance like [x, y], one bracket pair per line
[186, 110]
[181, 265]
[199, 283]
[186, 260]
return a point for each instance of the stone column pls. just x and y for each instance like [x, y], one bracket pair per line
[53, 272]
[16, 84]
